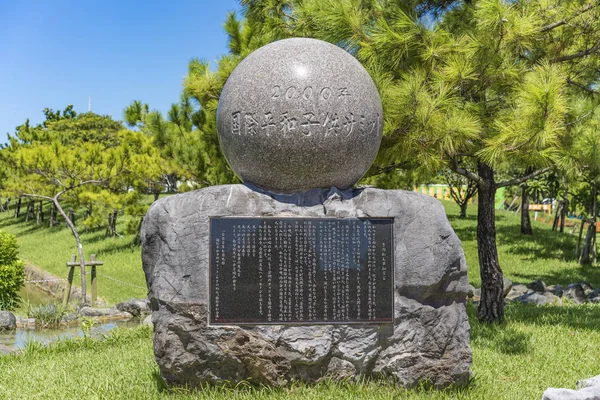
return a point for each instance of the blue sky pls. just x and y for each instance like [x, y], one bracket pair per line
[55, 53]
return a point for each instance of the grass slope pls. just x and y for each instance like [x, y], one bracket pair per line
[51, 248]
[536, 348]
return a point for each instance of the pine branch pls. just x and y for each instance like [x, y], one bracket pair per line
[579, 54]
[580, 86]
[391, 167]
[466, 173]
[524, 178]
[562, 22]
[36, 196]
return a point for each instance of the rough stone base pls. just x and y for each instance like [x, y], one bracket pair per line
[428, 341]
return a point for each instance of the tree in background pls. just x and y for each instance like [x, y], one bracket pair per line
[75, 156]
[186, 142]
[583, 160]
[462, 190]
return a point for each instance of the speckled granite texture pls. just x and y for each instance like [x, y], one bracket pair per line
[428, 340]
[299, 114]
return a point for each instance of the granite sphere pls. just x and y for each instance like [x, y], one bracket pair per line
[299, 114]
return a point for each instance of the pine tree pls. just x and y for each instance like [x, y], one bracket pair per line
[71, 156]
[486, 79]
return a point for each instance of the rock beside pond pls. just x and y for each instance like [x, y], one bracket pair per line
[103, 312]
[70, 317]
[135, 307]
[7, 321]
[148, 321]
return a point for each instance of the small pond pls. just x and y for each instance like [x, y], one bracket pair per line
[18, 338]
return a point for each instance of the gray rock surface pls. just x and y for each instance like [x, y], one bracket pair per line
[507, 286]
[533, 298]
[428, 340]
[69, 317]
[589, 393]
[587, 389]
[594, 297]
[135, 307]
[553, 299]
[299, 114]
[471, 291]
[103, 312]
[593, 381]
[587, 288]
[148, 321]
[537, 286]
[556, 290]
[575, 293]
[7, 321]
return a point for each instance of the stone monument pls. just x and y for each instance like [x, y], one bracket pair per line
[295, 275]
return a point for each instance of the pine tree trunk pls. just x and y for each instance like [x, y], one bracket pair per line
[565, 207]
[18, 208]
[463, 210]
[591, 233]
[526, 228]
[563, 214]
[79, 248]
[557, 216]
[491, 305]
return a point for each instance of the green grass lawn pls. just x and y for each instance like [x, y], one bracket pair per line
[536, 348]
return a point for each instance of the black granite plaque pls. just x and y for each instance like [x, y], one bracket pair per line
[301, 270]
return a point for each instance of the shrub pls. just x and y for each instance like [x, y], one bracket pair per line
[12, 272]
[46, 314]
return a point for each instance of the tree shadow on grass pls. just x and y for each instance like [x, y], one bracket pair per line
[161, 386]
[543, 244]
[455, 217]
[499, 337]
[33, 228]
[466, 229]
[111, 248]
[584, 317]
[509, 341]
[564, 276]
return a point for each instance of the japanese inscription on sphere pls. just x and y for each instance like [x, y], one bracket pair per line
[299, 114]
